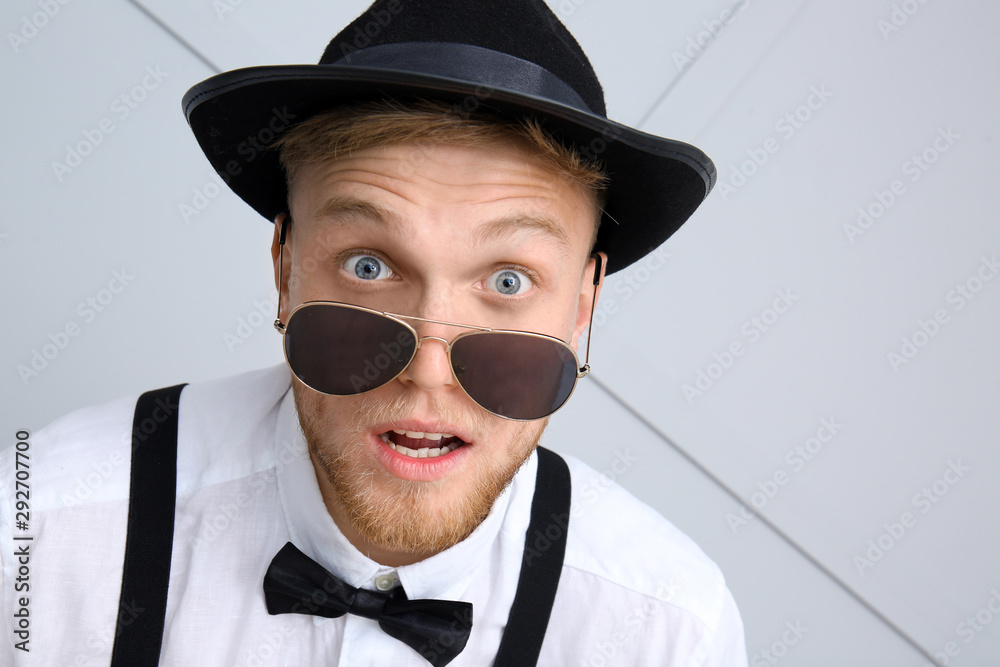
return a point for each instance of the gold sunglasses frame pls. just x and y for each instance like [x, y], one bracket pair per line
[581, 372]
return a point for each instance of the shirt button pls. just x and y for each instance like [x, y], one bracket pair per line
[386, 582]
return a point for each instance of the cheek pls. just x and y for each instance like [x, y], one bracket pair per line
[313, 267]
[568, 319]
[307, 279]
[517, 438]
[555, 315]
[323, 415]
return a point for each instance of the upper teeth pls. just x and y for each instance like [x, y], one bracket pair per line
[423, 452]
[420, 435]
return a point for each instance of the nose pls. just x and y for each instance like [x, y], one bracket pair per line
[430, 369]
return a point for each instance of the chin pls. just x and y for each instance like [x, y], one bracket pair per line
[365, 452]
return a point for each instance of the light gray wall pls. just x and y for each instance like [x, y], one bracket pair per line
[811, 111]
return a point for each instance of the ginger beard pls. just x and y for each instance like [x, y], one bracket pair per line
[398, 514]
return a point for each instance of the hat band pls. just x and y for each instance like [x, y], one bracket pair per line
[466, 62]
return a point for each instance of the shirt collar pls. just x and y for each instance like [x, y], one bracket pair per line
[311, 528]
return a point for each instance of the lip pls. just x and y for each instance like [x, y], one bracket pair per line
[424, 469]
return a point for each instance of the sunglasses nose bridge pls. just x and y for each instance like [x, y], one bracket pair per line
[429, 368]
[420, 343]
[444, 342]
[423, 338]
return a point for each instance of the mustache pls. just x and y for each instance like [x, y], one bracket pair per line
[373, 409]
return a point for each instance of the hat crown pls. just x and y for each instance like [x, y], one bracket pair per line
[525, 29]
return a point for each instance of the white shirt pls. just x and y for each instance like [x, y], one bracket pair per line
[634, 590]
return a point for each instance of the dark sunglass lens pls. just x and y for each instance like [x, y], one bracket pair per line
[344, 351]
[517, 376]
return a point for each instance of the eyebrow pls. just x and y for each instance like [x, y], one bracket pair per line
[493, 231]
[337, 207]
[506, 227]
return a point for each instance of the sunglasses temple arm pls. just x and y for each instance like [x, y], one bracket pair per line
[281, 265]
[593, 304]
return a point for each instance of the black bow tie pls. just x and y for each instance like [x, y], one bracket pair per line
[436, 629]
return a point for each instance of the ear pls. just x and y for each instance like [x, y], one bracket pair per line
[588, 295]
[282, 261]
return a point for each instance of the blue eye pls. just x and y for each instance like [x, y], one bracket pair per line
[509, 282]
[367, 267]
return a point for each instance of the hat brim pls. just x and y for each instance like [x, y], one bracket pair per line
[656, 183]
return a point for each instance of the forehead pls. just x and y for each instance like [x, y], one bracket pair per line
[488, 190]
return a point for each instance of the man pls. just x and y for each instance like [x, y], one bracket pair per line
[446, 200]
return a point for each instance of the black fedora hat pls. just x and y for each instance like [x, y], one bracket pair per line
[513, 57]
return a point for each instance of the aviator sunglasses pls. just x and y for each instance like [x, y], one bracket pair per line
[342, 350]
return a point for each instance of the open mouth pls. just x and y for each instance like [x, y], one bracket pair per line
[420, 445]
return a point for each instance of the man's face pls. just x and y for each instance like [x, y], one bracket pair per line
[485, 236]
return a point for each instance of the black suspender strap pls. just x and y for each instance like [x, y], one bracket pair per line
[152, 499]
[142, 607]
[541, 565]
